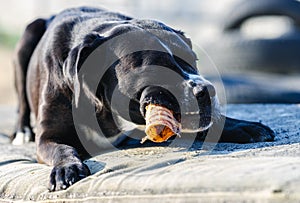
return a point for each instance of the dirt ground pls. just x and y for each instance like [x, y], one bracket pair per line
[7, 91]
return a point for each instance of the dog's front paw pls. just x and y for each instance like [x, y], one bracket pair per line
[63, 176]
[23, 136]
[239, 131]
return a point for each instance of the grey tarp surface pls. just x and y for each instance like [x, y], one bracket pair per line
[263, 172]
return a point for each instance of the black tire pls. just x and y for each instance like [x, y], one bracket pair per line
[233, 51]
[250, 8]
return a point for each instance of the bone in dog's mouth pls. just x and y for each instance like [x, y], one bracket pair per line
[161, 124]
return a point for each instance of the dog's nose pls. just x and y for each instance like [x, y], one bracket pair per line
[203, 90]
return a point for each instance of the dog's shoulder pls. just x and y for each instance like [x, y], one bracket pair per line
[72, 27]
[84, 18]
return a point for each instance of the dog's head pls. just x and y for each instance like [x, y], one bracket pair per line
[145, 62]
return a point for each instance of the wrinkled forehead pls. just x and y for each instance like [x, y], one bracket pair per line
[176, 44]
[129, 38]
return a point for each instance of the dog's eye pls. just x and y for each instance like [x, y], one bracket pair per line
[191, 83]
[201, 91]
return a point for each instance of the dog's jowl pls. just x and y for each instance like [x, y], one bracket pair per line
[71, 69]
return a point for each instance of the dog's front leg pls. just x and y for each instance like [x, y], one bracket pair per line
[68, 168]
[240, 131]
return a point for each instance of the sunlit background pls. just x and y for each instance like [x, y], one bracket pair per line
[250, 71]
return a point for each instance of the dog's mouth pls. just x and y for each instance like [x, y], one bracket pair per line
[162, 125]
[193, 122]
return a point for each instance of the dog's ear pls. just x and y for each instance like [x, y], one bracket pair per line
[76, 58]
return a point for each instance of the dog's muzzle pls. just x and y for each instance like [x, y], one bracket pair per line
[193, 114]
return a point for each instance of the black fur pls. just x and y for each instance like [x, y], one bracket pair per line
[48, 61]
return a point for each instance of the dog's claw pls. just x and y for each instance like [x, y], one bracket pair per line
[52, 188]
[63, 187]
[63, 176]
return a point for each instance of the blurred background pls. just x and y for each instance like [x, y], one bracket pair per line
[254, 45]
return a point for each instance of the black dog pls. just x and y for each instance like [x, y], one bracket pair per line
[135, 59]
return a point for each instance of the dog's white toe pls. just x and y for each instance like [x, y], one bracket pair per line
[22, 137]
